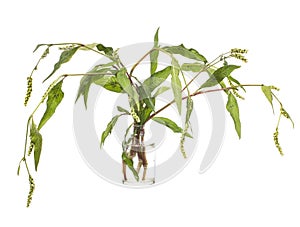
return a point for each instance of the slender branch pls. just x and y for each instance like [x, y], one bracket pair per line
[128, 74]
[203, 92]
[209, 65]
[275, 96]
[86, 74]
[79, 44]
[140, 60]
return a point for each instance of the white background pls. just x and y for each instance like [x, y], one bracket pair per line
[250, 184]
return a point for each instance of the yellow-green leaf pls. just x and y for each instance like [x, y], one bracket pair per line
[219, 75]
[161, 90]
[233, 108]
[268, 93]
[170, 124]
[36, 140]
[64, 58]
[127, 86]
[109, 128]
[154, 54]
[188, 53]
[193, 67]
[55, 97]
[176, 84]
[156, 79]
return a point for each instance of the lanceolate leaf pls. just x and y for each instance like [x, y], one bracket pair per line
[268, 93]
[64, 58]
[145, 97]
[236, 82]
[109, 128]
[157, 79]
[129, 163]
[154, 54]
[189, 109]
[36, 140]
[176, 84]
[127, 87]
[108, 82]
[233, 108]
[170, 124]
[145, 112]
[188, 53]
[121, 109]
[160, 91]
[84, 87]
[193, 67]
[55, 97]
[219, 75]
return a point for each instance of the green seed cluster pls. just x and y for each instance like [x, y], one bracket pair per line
[274, 88]
[134, 115]
[46, 52]
[238, 51]
[276, 141]
[284, 113]
[29, 90]
[48, 90]
[236, 94]
[67, 47]
[239, 57]
[182, 140]
[31, 190]
[30, 148]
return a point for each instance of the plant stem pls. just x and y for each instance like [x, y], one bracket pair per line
[140, 60]
[86, 74]
[203, 92]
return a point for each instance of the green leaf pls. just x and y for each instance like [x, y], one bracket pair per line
[176, 84]
[268, 93]
[126, 142]
[36, 140]
[154, 54]
[107, 81]
[107, 50]
[64, 58]
[189, 109]
[127, 87]
[219, 75]
[236, 82]
[170, 124]
[188, 53]
[109, 128]
[145, 97]
[121, 109]
[55, 97]
[193, 67]
[233, 108]
[112, 85]
[157, 79]
[160, 91]
[84, 87]
[104, 68]
[129, 163]
[145, 112]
